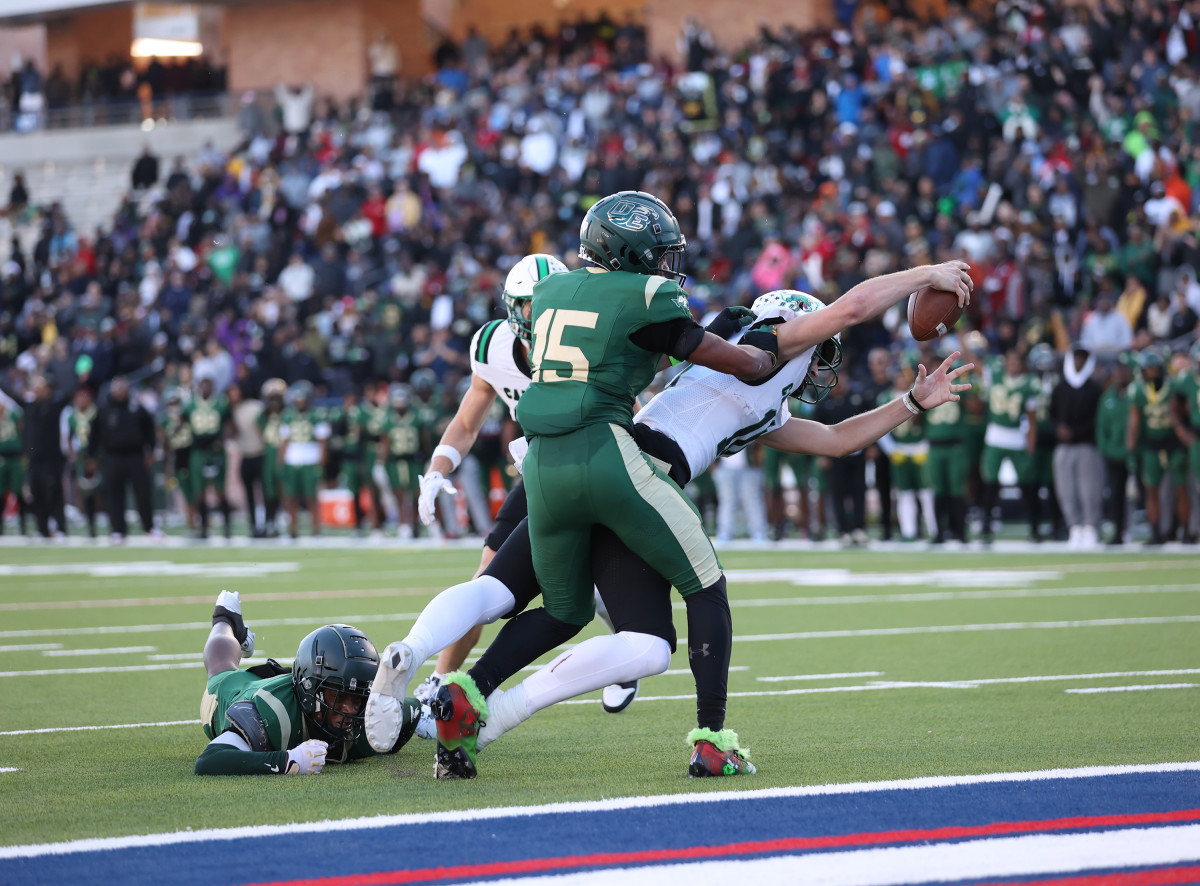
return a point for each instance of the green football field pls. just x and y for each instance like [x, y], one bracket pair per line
[847, 666]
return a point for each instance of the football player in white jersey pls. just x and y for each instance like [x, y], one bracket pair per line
[499, 368]
[700, 416]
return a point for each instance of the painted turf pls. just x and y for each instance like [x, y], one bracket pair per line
[1029, 824]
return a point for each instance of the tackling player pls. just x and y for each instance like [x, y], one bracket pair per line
[709, 413]
[269, 720]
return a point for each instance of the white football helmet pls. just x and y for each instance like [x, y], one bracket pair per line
[518, 289]
[787, 304]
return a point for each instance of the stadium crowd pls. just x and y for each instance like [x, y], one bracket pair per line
[331, 270]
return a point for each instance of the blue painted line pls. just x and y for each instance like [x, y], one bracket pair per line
[672, 825]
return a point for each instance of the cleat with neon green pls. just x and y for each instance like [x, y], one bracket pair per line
[716, 754]
[460, 711]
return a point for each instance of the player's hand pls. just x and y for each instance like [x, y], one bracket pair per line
[953, 276]
[732, 319]
[934, 390]
[433, 484]
[307, 758]
[517, 449]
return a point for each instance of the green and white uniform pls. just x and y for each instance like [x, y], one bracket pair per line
[403, 463]
[1112, 423]
[12, 464]
[269, 423]
[1188, 387]
[207, 419]
[177, 434]
[945, 429]
[79, 427]
[1009, 398]
[1159, 451]
[498, 357]
[907, 450]
[583, 466]
[304, 435]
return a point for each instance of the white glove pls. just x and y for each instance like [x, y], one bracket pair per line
[433, 484]
[517, 449]
[307, 758]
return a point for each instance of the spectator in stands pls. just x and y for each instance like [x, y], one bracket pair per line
[18, 195]
[145, 170]
[296, 105]
[1105, 331]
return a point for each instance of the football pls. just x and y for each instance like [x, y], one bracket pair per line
[932, 312]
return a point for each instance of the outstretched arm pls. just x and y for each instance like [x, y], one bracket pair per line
[853, 434]
[466, 424]
[869, 299]
[743, 361]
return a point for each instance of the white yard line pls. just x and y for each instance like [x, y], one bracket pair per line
[974, 860]
[30, 647]
[110, 650]
[63, 672]
[8, 769]
[592, 806]
[1046, 678]
[53, 729]
[818, 676]
[945, 596]
[1142, 688]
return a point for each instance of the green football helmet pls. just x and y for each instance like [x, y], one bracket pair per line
[332, 677]
[1042, 358]
[518, 289]
[633, 231]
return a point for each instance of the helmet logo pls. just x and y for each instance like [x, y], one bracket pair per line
[631, 216]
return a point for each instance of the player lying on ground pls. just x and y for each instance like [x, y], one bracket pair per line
[701, 415]
[269, 720]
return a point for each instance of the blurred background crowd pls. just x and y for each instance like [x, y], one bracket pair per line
[349, 251]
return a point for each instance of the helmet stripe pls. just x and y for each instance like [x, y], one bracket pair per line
[543, 268]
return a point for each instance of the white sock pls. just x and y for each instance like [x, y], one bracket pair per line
[906, 512]
[455, 611]
[927, 513]
[592, 665]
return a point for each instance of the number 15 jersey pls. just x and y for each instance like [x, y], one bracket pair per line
[586, 370]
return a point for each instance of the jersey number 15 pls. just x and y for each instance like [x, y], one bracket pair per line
[548, 346]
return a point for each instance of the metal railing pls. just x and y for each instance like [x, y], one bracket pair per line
[120, 112]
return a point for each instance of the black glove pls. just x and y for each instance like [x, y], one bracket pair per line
[729, 321]
[765, 338]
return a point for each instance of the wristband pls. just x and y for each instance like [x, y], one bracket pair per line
[445, 450]
[913, 406]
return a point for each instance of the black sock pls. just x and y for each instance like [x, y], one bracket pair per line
[204, 512]
[991, 491]
[520, 642]
[958, 516]
[1033, 508]
[710, 641]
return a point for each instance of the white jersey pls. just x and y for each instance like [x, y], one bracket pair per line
[710, 414]
[494, 358]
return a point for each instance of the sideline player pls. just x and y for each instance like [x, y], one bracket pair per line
[270, 720]
[489, 597]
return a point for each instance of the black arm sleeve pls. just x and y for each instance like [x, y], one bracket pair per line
[675, 338]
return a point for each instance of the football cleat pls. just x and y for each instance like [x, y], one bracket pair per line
[460, 710]
[717, 754]
[384, 714]
[428, 689]
[618, 696]
[229, 610]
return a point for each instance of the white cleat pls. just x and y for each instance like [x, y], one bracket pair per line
[248, 644]
[229, 606]
[385, 712]
[428, 689]
[618, 696]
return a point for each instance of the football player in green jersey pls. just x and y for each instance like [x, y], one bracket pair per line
[1044, 367]
[909, 457]
[176, 436]
[1187, 386]
[1112, 424]
[946, 429]
[87, 474]
[1151, 434]
[273, 392]
[302, 451]
[1011, 428]
[12, 460]
[372, 420]
[208, 415]
[402, 442]
[272, 720]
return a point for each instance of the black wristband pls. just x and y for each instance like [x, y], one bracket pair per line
[913, 400]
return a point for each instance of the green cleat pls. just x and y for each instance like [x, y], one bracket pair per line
[459, 709]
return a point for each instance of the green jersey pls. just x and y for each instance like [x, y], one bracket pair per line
[336, 419]
[1188, 387]
[301, 426]
[268, 424]
[945, 422]
[404, 435]
[10, 433]
[586, 371]
[79, 426]
[1155, 407]
[1112, 421]
[207, 419]
[176, 431]
[372, 422]
[1010, 398]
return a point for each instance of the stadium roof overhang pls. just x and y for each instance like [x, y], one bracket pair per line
[31, 12]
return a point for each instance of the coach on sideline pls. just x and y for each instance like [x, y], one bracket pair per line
[1078, 467]
[123, 438]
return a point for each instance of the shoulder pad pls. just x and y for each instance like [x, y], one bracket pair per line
[482, 339]
[245, 720]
